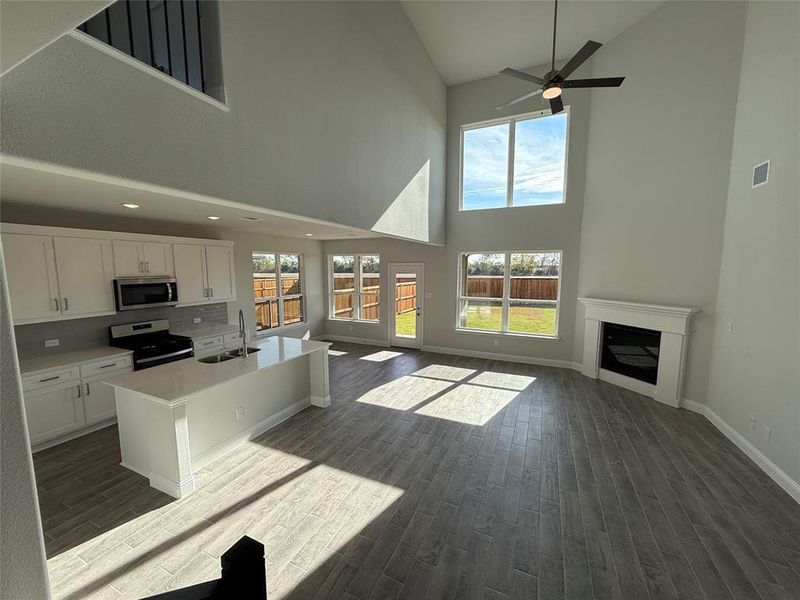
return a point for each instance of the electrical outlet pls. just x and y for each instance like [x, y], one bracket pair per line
[496, 342]
[197, 320]
[51, 343]
[752, 422]
[239, 413]
[767, 432]
[729, 327]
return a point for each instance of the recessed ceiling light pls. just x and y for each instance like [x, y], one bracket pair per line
[309, 234]
[251, 218]
[130, 205]
[214, 218]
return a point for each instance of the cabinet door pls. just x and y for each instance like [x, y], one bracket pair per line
[157, 258]
[31, 272]
[128, 260]
[54, 412]
[85, 275]
[220, 273]
[190, 271]
[99, 400]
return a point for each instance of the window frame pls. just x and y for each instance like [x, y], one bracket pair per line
[356, 318]
[280, 297]
[506, 300]
[512, 129]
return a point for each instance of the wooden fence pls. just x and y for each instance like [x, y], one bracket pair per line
[267, 311]
[529, 288]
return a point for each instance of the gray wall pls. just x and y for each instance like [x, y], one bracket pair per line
[521, 228]
[755, 369]
[24, 571]
[336, 112]
[657, 167]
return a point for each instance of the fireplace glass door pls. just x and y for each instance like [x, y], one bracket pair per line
[630, 351]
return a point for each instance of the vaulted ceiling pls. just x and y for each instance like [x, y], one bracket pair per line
[469, 40]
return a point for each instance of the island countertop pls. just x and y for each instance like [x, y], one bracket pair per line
[175, 380]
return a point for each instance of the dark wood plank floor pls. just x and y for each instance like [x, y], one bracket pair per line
[437, 476]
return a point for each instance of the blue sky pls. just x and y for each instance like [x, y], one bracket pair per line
[538, 163]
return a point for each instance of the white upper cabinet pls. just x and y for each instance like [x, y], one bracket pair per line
[31, 272]
[85, 275]
[190, 271]
[56, 273]
[133, 258]
[221, 284]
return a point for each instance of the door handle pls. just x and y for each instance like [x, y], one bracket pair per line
[66, 304]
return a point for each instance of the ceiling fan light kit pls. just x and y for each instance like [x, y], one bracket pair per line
[552, 84]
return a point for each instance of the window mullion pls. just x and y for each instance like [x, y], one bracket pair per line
[279, 290]
[357, 287]
[506, 292]
[512, 129]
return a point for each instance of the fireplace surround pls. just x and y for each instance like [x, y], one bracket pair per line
[671, 323]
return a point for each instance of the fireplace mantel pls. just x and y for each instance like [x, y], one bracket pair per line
[671, 321]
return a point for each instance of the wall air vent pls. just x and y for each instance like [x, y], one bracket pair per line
[760, 174]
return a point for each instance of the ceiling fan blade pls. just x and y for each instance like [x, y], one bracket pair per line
[520, 99]
[590, 83]
[580, 57]
[556, 105]
[524, 76]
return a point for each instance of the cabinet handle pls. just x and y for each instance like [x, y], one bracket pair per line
[147, 266]
[212, 292]
[105, 367]
[66, 304]
[56, 302]
[87, 389]
[78, 389]
[205, 292]
[50, 379]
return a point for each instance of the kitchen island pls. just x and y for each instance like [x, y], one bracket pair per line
[178, 417]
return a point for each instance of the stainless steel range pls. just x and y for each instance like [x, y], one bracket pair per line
[151, 342]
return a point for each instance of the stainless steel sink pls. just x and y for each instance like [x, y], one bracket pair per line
[216, 358]
[238, 352]
[229, 355]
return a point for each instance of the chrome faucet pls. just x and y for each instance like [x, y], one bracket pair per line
[242, 334]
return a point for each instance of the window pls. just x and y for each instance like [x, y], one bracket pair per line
[169, 35]
[510, 292]
[514, 162]
[355, 288]
[278, 305]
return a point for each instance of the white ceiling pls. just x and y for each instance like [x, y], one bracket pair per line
[469, 40]
[29, 184]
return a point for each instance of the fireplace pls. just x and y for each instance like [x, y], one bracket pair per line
[637, 346]
[630, 351]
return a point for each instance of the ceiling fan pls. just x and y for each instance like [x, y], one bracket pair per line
[552, 83]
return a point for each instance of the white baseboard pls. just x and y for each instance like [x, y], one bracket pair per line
[777, 474]
[353, 340]
[529, 360]
[220, 450]
[171, 488]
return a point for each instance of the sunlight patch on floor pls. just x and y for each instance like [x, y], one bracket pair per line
[444, 372]
[470, 404]
[505, 381]
[405, 392]
[336, 352]
[381, 356]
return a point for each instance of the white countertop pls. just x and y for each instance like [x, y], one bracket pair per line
[178, 379]
[68, 359]
[202, 331]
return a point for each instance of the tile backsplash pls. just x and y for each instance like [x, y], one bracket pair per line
[82, 334]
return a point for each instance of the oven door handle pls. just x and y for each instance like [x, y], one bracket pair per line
[163, 356]
[169, 292]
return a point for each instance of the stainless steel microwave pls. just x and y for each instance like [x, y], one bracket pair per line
[145, 292]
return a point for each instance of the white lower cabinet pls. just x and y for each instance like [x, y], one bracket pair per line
[207, 346]
[99, 401]
[63, 401]
[54, 411]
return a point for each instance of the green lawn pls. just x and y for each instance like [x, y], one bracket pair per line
[523, 319]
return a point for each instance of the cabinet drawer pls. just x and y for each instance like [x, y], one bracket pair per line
[106, 366]
[49, 379]
[205, 344]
